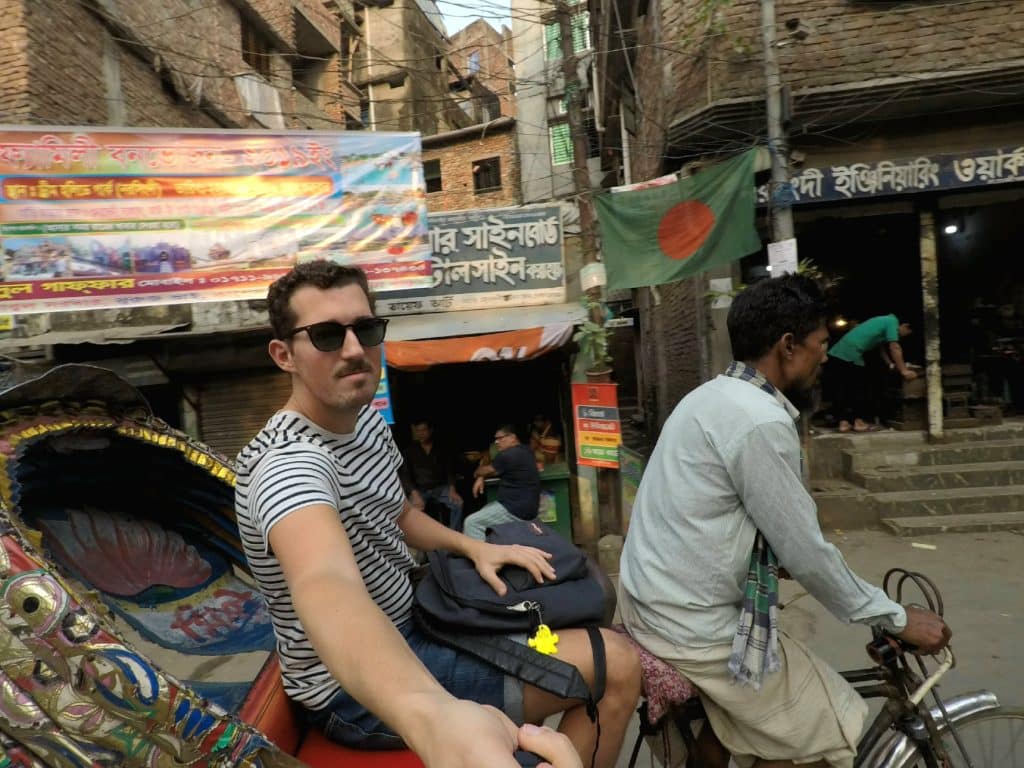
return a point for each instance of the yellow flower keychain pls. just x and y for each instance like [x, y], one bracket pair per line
[544, 641]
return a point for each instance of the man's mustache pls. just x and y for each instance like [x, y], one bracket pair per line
[348, 370]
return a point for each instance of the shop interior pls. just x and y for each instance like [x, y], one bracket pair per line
[981, 299]
[874, 264]
[466, 402]
[871, 265]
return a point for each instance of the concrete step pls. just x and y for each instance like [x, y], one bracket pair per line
[949, 501]
[988, 521]
[925, 478]
[857, 459]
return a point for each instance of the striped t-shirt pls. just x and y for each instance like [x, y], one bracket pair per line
[291, 464]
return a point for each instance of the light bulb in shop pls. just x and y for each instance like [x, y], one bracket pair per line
[951, 229]
[840, 322]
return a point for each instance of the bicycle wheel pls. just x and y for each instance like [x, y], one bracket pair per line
[993, 739]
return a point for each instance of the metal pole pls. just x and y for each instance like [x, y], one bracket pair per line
[930, 295]
[778, 144]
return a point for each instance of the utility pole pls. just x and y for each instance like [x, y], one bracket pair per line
[778, 142]
[580, 143]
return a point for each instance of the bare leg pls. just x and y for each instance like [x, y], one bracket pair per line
[622, 691]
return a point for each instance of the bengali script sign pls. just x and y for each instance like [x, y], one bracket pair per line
[498, 257]
[93, 218]
[917, 174]
[595, 410]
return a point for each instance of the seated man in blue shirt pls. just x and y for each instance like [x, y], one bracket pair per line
[723, 485]
[515, 466]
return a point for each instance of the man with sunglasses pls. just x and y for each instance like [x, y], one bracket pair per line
[325, 523]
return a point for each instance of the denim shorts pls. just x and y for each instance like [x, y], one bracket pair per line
[346, 721]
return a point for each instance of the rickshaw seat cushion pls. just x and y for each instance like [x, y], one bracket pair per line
[317, 751]
[663, 685]
[268, 708]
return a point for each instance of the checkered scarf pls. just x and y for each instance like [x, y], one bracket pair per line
[755, 647]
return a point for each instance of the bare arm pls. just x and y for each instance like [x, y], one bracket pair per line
[896, 352]
[485, 470]
[350, 634]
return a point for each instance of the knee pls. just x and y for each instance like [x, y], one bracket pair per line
[623, 665]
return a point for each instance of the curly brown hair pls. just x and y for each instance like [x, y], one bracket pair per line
[319, 274]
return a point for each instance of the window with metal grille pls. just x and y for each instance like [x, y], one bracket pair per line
[580, 25]
[561, 143]
[432, 175]
[256, 49]
[487, 174]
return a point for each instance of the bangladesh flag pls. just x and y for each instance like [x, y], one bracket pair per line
[665, 233]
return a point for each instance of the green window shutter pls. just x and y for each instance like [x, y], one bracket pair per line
[581, 32]
[552, 42]
[561, 144]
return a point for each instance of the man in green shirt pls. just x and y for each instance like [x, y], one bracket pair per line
[846, 365]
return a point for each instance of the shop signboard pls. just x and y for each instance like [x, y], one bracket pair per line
[382, 400]
[595, 410]
[95, 218]
[486, 259]
[922, 173]
[631, 469]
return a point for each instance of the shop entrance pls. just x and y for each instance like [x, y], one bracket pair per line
[466, 402]
[981, 299]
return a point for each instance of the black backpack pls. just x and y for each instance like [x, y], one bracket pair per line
[456, 607]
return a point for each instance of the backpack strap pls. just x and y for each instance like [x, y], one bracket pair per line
[600, 669]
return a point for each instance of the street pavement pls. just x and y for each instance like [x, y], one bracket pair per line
[981, 578]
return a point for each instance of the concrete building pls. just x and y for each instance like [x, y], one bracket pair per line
[483, 54]
[545, 142]
[886, 193]
[405, 70]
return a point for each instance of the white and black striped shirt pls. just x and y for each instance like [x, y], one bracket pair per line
[292, 463]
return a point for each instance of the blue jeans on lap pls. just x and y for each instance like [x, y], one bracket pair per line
[346, 721]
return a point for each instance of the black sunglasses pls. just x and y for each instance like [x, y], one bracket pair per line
[329, 335]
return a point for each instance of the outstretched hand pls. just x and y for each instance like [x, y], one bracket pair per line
[484, 736]
[491, 558]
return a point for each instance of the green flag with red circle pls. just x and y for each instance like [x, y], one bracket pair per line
[666, 233]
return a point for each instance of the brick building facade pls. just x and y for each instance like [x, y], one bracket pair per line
[266, 63]
[861, 81]
[471, 168]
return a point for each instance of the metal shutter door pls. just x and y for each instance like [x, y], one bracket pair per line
[234, 408]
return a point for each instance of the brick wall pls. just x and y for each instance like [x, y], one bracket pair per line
[82, 69]
[671, 353]
[14, 101]
[457, 159]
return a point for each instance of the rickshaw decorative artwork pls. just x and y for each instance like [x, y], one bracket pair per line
[130, 634]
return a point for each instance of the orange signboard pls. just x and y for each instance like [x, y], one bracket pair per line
[595, 410]
[507, 345]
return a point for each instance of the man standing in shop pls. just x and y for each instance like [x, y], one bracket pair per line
[846, 366]
[427, 473]
[518, 485]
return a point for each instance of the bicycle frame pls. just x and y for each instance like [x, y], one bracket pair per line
[904, 723]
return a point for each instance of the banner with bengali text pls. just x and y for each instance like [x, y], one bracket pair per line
[94, 218]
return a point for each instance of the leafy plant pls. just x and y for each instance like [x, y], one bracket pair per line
[805, 267]
[592, 336]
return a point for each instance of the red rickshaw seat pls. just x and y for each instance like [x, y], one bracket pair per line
[268, 708]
